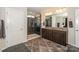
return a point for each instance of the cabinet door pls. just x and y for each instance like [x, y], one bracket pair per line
[59, 37]
[54, 36]
[63, 38]
[44, 33]
[50, 35]
[47, 34]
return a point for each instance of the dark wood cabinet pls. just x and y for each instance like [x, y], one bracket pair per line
[54, 35]
[47, 34]
[59, 37]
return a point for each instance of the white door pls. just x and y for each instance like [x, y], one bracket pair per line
[77, 27]
[15, 30]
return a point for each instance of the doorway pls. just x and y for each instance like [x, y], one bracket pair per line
[33, 25]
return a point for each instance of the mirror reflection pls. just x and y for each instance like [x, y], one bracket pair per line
[56, 20]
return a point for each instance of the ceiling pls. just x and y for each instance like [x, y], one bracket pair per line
[37, 10]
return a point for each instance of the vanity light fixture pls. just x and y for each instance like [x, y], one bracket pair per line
[49, 13]
[60, 10]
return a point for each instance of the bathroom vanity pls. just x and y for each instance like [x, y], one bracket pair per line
[55, 28]
[58, 35]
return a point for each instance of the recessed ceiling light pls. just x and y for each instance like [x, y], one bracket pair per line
[31, 16]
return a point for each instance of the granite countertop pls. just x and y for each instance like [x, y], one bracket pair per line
[54, 28]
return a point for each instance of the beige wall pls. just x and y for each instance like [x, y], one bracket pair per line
[2, 17]
[71, 32]
[15, 20]
[42, 19]
[15, 26]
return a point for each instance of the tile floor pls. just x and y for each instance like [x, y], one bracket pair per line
[32, 36]
[17, 48]
[2, 43]
[44, 45]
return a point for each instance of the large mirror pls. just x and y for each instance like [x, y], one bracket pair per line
[48, 21]
[56, 20]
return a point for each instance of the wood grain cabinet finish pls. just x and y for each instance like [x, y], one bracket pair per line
[55, 35]
[59, 37]
[47, 34]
